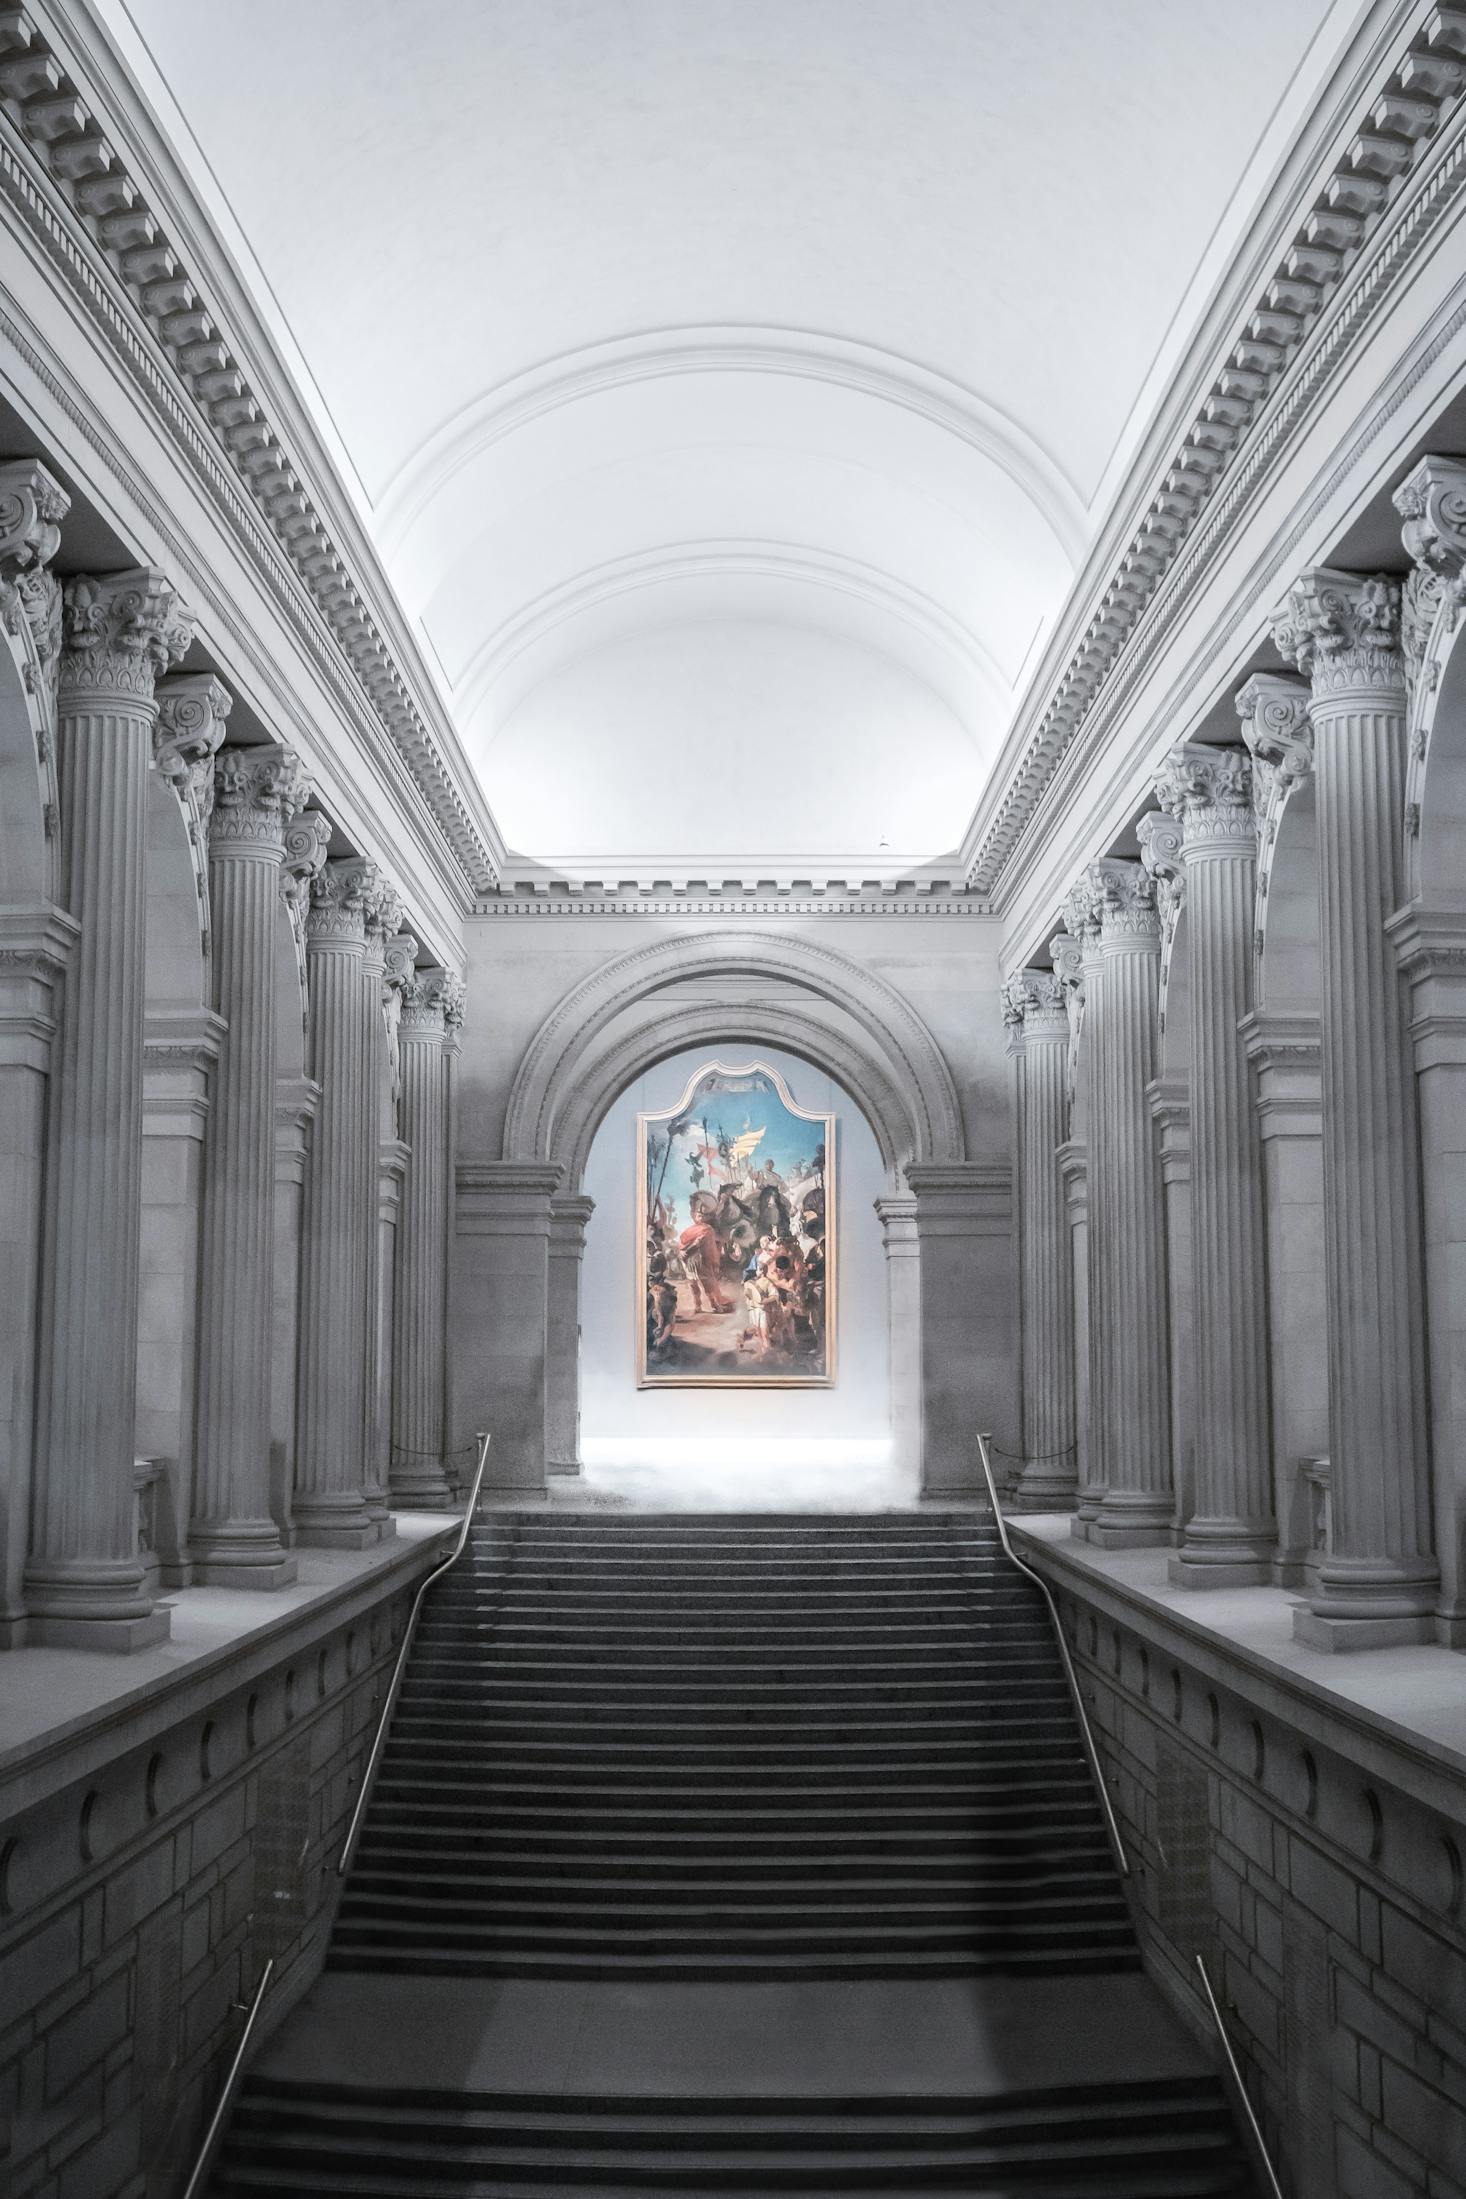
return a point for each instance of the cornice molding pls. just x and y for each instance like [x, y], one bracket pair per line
[734, 907]
[73, 188]
[1364, 226]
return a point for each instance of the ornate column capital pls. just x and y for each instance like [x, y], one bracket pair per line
[1209, 790]
[1082, 911]
[1431, 502]
[398, 967]
[306, 838]
[1126, 893]
[1342, 630]
[1034, 998]
[1068, 965]
[1160, 836]
[121, 631]
[452, 992]
[32, 507]
[257, 792]
[422, 1004]
[339, 894]
[1273, 708]
[383, 911]
[193, 710]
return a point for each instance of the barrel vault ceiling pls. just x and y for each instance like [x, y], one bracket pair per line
[732, 387]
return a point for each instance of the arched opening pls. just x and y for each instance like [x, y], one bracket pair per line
[737, 1445]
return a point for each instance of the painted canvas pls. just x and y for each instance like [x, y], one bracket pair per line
[736, 1243]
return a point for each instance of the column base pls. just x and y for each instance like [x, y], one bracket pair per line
[120, 1636]
[336, 1521]
[1389, 1631]
[408, 1498]
[1187, 1569]
[564, 1467]
[1037, 1496]
[235, 1573]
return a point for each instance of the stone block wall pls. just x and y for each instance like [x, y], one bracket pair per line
[1319, 1871]
[142, 1892]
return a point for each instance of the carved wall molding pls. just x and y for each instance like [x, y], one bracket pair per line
[1361, 234]
[734, 906]
[70, 185]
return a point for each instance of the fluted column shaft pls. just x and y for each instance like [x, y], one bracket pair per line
[1046, 1481]
[84, 1582]
[1230, 1537]
[234, 1540]
[1077, 956]
[1378, 1581]
[419, 1477]
[1131, 1311]
[383, 916]
[338, 1233]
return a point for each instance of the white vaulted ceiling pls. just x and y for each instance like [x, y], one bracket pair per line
[732, 387]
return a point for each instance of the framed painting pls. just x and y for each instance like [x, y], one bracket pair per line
[736, 1244]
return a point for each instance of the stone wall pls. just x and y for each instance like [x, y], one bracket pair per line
[1316, 1862]
[151, 1859]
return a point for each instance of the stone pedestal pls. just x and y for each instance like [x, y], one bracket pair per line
[419, 1473]
[1129, 1306]
[1231, 1534]
[1039, 1021]
[235, 1538]
[85, 1582]
[503, 1243]
[568, 1218]
[1379, 1582]
[339, 1223]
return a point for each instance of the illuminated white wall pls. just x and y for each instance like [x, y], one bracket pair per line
[844, 1430]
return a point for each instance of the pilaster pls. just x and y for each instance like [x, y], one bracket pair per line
[419, 1446]
[1137, 1504]
[1077, 961]
[1378, 1584]
[503, 1232]
[234, 1536]
[85, 1581]
[964, 1224]
[296, 1100]
[569, 1214]
[1035, 1006]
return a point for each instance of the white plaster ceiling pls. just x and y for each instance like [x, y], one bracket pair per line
[732, 386]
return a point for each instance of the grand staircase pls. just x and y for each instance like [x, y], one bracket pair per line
[731, 1753]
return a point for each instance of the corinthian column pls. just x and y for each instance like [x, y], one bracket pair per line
[419, 1476]
[234, 1540]
[1035, 1007]
[1129, 1308]
[1230, 1536]
[1377, 1582]
[382, 921]
[339, 1224]
[85, 1579]
[1076, 954]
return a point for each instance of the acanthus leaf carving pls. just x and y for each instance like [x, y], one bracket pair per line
[1126, 893]
[1278, 730]
[257, 791]
[1342, 630]
[121, 631]
[1209, 791]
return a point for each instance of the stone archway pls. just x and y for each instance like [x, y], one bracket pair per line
[946, 1221]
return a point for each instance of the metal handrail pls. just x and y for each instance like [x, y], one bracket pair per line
[379, 1738]
[1262, 2157]
[1112, 1823]
[217, 2120]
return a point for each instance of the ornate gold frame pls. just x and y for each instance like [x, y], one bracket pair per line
[653, 1380]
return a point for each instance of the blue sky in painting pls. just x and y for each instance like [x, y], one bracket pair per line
[732, 1108]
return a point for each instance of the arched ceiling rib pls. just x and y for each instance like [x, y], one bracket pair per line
[731, 382]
